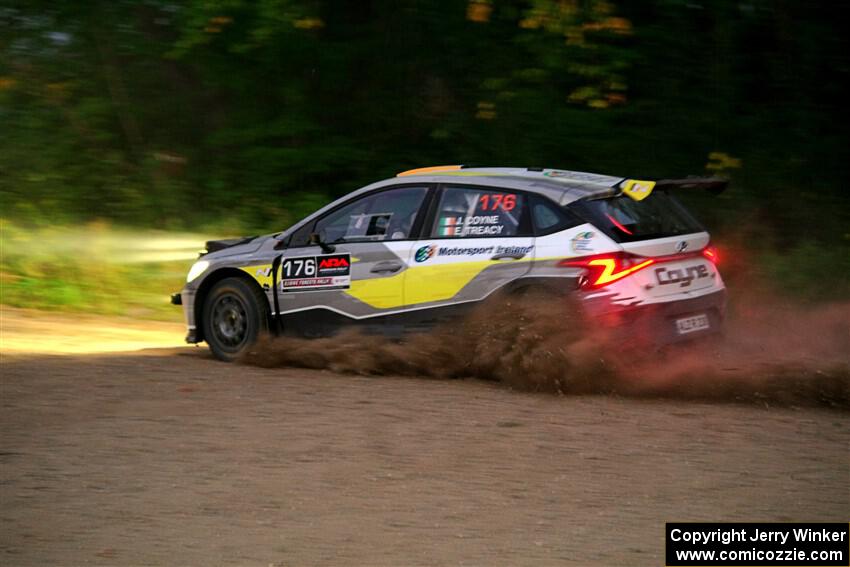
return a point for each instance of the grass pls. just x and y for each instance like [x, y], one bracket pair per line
[95, 268]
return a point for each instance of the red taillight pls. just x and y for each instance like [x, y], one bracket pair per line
[710, 252]
[603, 270]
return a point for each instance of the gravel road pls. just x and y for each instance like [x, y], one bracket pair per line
[166, 457]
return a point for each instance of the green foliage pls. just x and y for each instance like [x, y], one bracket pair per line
[94, 269]
[811, 271]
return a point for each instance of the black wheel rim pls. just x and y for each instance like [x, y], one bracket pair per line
[230, 321]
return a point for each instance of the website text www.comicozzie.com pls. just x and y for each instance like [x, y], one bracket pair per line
[758, 555]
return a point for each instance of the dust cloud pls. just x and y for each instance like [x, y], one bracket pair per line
[772, 352]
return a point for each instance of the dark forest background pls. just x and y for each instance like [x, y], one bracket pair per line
[249, 114]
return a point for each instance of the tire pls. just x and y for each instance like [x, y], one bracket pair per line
[235, 314]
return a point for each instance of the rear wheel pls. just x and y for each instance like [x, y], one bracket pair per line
[235, 314]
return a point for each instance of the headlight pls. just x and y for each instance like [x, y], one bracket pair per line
[197, 269]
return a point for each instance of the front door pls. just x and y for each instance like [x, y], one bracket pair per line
[361, 280]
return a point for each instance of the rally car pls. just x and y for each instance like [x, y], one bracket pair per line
[408, 252]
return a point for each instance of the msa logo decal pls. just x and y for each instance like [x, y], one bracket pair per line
[264, 272]
[681, 276]
[316, 273]
[425, 253]
[333, 262]
[636, 189]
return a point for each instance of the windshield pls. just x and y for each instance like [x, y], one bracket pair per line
[626, 220]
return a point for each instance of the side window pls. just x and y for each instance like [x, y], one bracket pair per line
[301, 237]
[388, 215]
[472, 212]
[549, 218]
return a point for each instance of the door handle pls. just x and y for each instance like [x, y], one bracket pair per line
[386, 267]
[508, 257]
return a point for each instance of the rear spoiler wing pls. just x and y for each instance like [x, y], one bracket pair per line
[715, 185]
[639, 190]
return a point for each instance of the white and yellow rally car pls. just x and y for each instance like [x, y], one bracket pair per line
[405, 253]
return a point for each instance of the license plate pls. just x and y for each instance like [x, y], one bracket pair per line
[691, 324]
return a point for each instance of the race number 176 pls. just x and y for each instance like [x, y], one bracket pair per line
[299, 267]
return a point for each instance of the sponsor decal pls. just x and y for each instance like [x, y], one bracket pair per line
[307, 282]
[637, 189]
[262, 274]
[465, 250]
[309, 273]
[681, 276]
[582, 242]
[425, 253]
[518, 250]
[334, 265]
[478, 250]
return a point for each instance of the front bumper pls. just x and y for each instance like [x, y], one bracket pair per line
[186, 299]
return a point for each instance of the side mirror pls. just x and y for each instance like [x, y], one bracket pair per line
[317, 240]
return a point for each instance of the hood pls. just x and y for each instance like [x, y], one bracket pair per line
[233, 246]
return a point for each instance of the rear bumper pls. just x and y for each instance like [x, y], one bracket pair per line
[656, 323]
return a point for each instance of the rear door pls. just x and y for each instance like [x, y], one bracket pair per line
[476, 241]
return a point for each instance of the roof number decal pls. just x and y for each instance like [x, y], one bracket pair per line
[637, 189]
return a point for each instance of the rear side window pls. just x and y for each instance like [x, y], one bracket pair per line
[473, 212]
[549, 218]
[626, 220]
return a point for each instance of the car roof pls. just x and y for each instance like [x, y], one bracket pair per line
[560, 185]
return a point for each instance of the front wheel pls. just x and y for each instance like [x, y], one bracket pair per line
[235, 314]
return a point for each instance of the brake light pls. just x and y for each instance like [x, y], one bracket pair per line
[710, 252]
[603, 270]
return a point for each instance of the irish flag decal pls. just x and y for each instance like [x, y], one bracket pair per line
[451, 226]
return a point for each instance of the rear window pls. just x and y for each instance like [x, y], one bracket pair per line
[626, 220]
